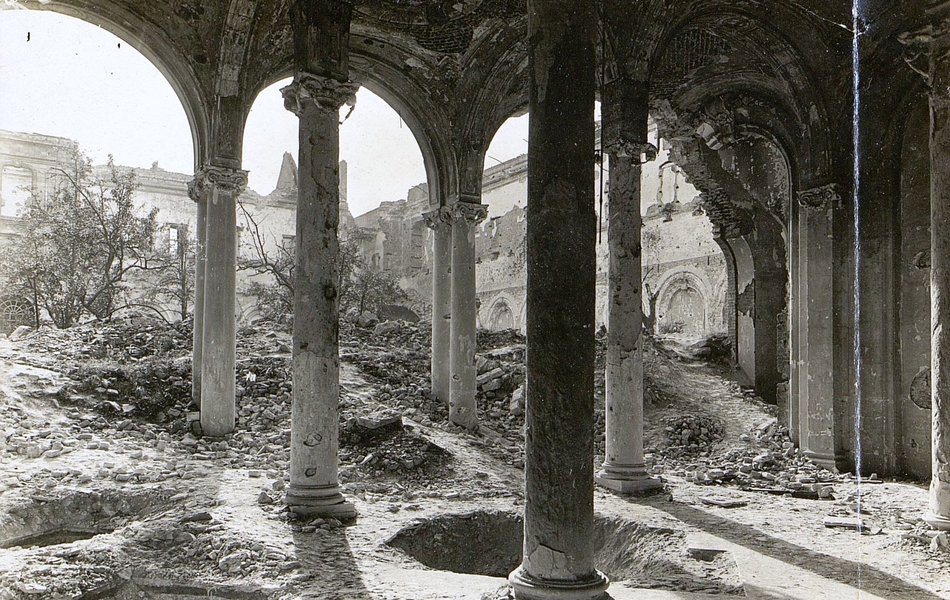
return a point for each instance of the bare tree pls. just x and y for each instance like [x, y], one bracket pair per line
[360, 286]
[176, 283]
[77, 247]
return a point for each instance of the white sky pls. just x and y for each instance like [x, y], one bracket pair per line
[64, 77]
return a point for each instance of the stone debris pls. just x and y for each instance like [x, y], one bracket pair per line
[134, 407]
[723, 503]
[19, 333]
[846, 523]
[689, 434]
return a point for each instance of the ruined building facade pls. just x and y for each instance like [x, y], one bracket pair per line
[684, 269]
[30, 164]
[816, 132]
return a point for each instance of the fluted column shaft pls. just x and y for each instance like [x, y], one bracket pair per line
[314, 484]
[558, 560]
[440, 221]
[462, 409]
[218, 327]
[625, 128]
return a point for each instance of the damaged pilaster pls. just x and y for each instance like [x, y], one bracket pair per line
[811, 300]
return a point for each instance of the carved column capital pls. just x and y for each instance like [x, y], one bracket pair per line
[471, 212]
[223, 178]
[643, 151]
[196, 188]
[326, 93]
[821, 198]
[439, 217]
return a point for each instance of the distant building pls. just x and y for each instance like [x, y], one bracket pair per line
[684, 269]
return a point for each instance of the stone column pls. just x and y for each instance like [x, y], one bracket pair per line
[624, 134]
[314, 484]
[558, 560]
[939, 74]
[462, 410]
[197, 192]
[440, 221]
[815, 310]
[218, 326]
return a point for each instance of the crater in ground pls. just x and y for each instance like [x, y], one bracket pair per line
[66, 518]
[490, 543]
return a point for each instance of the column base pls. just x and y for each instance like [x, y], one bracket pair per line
[314, 501]
[938, 522]
[215, 427]
[828, 461]
[527, 587]
[627, 481]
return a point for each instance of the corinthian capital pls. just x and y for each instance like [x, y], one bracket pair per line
[439, 217]
[821, 198]
[222, 178]
[326, 93]
[196, 188]
[471, 212]
[644, 152]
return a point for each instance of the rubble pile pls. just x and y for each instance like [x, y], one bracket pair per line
[763, 460]
[379, 447]
[396, 354]
[124, 340]
[145, 380]
[691, 434]
[146, 389]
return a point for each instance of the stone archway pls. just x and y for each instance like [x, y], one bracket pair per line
[681, 305]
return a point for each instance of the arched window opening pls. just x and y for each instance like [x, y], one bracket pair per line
[501, 317]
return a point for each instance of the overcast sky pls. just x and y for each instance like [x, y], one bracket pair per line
[64, 77]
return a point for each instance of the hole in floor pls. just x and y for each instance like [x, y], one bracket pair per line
[489, 543]
[478, 543]
[160, 589]
[46, 521]
[51, 538]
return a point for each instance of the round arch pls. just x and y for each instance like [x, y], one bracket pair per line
[672, 286]
[787, 104]
[407, 96]
[497, 303]
[500, 316]
[159, 50]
